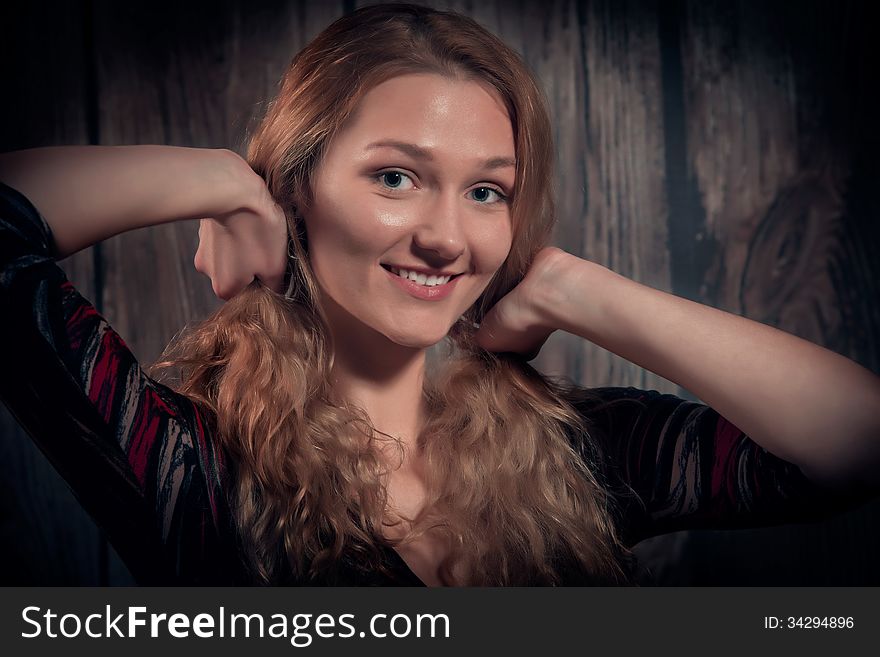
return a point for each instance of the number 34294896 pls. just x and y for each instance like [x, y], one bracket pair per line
[808, 622]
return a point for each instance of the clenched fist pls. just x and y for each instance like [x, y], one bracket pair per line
[246, 243]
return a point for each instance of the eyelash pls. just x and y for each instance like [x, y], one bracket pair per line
[502, 197]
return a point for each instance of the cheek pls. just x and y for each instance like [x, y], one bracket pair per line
[351, 210]
[346, 233]
[332, 254]
[496, 246]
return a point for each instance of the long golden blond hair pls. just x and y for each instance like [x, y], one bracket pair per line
[513, 477]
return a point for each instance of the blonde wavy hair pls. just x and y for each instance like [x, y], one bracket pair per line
[513, 477]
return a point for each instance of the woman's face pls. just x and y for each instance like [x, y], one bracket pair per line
[416, 180]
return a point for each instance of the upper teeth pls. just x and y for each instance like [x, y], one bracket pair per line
[421, 279]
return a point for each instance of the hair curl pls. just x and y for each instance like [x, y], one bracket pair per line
[513, 477]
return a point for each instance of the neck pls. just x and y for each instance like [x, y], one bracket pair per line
[382, 377]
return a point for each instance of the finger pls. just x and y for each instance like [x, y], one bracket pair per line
[272, 276]
[231, 289]
[202, 259]
[538, 345]
[274, 283]
[494, 336]
[490, 335]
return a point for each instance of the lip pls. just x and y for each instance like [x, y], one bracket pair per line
[423, 292]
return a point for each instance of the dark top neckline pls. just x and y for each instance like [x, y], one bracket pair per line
[402, 569]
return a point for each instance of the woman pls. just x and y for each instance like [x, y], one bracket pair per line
[307, 441]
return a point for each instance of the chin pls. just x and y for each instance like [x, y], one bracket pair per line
[415, 340]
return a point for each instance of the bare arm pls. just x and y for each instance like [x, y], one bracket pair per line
[90, 193]
[802, 402]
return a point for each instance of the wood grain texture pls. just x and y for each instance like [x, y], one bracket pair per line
[772, 102]
[45, 535]
[613, 138]
[625, 225]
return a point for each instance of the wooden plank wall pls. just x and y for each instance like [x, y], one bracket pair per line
[45, 536]
[721, 151]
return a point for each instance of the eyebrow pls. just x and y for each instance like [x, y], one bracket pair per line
[419, 153]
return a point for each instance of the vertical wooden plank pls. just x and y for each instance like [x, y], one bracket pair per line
[622, 151]
[772, 106]
[186, 75]
[45, 536]
[741, 131]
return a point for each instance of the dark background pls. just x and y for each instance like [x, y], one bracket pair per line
[722, 151]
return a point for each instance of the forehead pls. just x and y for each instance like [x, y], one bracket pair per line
[447, 116]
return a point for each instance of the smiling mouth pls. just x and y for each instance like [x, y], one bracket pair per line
[422, 279]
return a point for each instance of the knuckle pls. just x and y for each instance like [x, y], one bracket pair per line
[221, 290]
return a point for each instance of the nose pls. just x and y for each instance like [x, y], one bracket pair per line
[440, 229]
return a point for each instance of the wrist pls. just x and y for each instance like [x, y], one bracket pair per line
[235, 185]
[572, 296]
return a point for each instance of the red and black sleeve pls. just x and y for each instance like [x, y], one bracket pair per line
[679, 464]
[137, 455]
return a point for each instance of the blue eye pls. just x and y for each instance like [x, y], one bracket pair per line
[392, 180]
[492, 190]
[393, 174]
